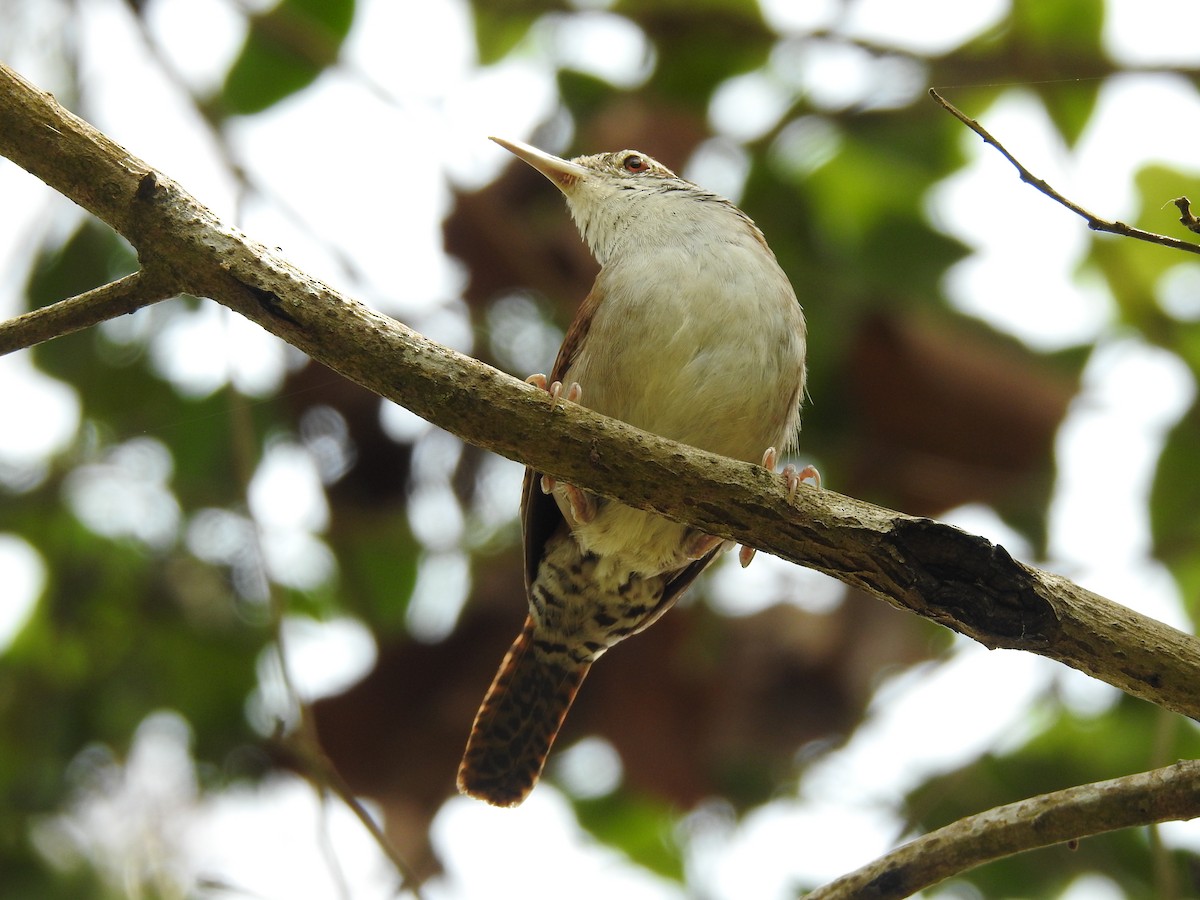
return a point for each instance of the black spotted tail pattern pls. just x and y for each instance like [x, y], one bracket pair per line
[518, 721]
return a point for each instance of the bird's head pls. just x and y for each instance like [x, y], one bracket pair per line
[614, 195]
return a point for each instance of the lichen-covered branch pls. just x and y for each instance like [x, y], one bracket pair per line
[961, 581]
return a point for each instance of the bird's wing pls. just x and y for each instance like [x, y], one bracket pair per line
[679, 582]
[573, 341]
[540, 515]
[540, 518]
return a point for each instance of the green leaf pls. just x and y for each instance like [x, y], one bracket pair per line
[378, 562]
[1055, 48]
[697, 51]
[636, 826]
[1132, 268]
[499, 27]
[1065, 28]
[286, 48]
[1174, 499]
[585, 95]
[1070, 106]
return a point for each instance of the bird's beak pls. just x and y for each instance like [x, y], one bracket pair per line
[564, 173]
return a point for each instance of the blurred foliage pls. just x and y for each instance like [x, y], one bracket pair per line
[914, 405]
[640, 827]
[286, 48]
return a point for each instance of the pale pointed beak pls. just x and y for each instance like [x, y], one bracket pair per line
[564, 173]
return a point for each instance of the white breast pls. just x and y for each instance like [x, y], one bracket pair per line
[697, 339]
[702, 342]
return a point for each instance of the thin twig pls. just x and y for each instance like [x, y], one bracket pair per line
[108, 301]
[311, 761]
[303, 746]
[324, 830]
[315, 765]
[1094, 222]
[1161, 795]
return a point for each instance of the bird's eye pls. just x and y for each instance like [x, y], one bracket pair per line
[635, 163]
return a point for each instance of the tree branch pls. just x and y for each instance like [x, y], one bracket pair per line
[1162, 795]
[1094, 222]
[108, 301]
[961, 581]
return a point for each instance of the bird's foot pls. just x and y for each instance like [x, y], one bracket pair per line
[793, 478]
[556, 389]
[697, 545]
[582, 504]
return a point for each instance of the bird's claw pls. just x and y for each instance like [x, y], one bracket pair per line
[745, 555]
[582, 504]
[793, 478]
[698, 545]
[555, 389]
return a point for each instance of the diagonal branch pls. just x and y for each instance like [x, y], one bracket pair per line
[1094, 222]
[1163, 795]
[961, 581]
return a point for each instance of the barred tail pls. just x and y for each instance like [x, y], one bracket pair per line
[517, 723]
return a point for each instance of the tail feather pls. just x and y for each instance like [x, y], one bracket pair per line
[518, 722]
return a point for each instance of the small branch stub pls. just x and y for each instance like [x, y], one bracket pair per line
[1186, 218]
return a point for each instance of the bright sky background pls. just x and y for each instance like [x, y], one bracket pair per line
[264, 841]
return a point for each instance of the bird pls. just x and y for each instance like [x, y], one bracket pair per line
[691, 331]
